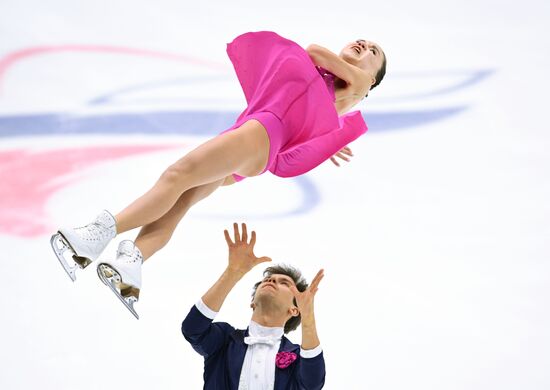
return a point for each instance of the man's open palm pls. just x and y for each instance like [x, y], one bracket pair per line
[305, 298]
[241, 252]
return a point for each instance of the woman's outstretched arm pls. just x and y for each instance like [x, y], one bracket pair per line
[308, 155]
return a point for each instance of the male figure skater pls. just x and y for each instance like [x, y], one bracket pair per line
[259, 357]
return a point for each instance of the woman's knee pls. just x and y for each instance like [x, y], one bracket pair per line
[180, 169]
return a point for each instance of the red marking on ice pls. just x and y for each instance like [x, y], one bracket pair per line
[10, 59]
[28, 179]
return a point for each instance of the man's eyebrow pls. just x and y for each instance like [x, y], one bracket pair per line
[283, 277]
[287, 278]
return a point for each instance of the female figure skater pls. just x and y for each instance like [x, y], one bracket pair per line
[290, 126]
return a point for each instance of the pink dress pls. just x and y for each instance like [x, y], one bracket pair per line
[288, 95]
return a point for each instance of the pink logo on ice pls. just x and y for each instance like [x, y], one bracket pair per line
[284, 359]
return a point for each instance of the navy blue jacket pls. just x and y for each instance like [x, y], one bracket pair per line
[223, 349]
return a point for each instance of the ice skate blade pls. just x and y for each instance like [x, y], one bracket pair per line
[111, 278]
[61, 246]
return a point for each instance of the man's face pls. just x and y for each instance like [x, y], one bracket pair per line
[364, 54]
[275, 291]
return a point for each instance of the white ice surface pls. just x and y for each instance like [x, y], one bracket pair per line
[434, 239]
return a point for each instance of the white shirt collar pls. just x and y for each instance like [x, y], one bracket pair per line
[257, 330]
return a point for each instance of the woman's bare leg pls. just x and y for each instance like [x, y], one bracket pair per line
[156, 235]
[244, 151]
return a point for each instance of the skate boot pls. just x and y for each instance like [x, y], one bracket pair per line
[84, 244]
[123, 275]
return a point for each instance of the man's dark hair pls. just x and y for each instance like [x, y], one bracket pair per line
[301, 285]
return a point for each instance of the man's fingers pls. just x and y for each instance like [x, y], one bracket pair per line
[253, 239]
[236, 232]
[227, 237]
[334, 161]
[317, 279]
[245, 233]
[316, 285]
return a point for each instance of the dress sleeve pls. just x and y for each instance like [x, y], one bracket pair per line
[308, 155]
[206, 337]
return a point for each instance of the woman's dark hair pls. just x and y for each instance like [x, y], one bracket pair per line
[299, 281]
[380, 74]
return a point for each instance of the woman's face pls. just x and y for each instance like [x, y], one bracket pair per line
[363, 54]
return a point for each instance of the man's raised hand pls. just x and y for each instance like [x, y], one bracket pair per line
[241, 252]
[305, 298]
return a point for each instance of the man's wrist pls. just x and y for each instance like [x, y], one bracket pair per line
[205, 310]
[233, 275]
[308, 319]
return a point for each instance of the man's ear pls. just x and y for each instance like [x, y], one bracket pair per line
[252, 305]
[294, 311]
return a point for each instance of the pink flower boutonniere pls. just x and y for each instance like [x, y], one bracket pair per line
[284, 359]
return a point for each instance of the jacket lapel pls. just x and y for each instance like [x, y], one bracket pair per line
[235, 357]
[284, 375]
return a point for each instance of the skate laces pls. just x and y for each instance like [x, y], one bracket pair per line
[104, 227]
[127, 251]
[94, 232]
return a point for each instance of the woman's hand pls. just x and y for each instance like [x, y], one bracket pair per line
[342, 155]
[241, 252]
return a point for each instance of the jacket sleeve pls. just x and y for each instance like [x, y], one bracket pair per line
[308, 155]
[206, 337]
[311, 372]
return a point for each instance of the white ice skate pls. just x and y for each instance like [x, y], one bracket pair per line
[84, 244]
[123, 275]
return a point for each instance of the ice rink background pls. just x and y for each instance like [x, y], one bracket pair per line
[434, 239]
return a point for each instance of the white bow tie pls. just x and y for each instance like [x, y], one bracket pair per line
[250, 340]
